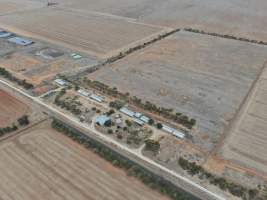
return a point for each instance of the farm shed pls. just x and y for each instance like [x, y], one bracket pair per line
[4, 34]
[60, 82]
[128, 112]
[96, 98]
[102, 119]
[20, 41]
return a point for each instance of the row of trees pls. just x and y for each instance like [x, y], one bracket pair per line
[235, 189]
[132, 169]
[225, 36]
[126, 98]
[22, 121]
[9, 76]
[141, 46]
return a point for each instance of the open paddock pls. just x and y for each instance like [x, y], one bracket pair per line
[235, 17]
[97, 34]
[247, 140]
[10, 109]
[205, 77]
[43, 164]
[18, 62]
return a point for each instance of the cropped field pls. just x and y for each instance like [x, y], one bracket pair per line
[202, 76]
[10, 109]
[236, 17]
[43, 164]
[94, 33]
[247, 141]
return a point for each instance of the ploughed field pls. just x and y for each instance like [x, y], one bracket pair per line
[247, 141]
[205, 77]
[10, 109]
[43, 164]
[95, 33]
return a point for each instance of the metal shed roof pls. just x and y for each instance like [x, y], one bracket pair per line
[20, 41]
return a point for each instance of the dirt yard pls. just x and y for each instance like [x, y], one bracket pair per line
[97, 34]
[202, 76]
[43, 164]
[10, 109]
[247, 140]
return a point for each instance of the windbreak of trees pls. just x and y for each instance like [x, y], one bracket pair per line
[235, 189]
[225, 36]
[141, 46]
[132, 169]
[22, 121]
[6, 74]
[148, 106]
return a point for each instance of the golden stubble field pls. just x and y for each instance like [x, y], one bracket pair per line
[43, 164]
[247, 140]
[94, 33]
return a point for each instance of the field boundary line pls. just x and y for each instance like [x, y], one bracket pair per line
[21, 131]
[226, 36]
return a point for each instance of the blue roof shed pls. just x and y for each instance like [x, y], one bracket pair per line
[20, 41]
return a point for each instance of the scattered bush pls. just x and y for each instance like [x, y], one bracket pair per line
[152, 145]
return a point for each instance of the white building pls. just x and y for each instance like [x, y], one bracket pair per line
[60, 82]
[173, 131]
[96, 98]
[128, 112]
[145, 119]
[83, 93]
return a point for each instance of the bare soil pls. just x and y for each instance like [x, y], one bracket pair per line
[10, 109]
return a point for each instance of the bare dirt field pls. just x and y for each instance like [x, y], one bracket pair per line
[43, 164]
[18, 62]
[10, 109]
[247, 140]
[204, 77]
[40, 61]
[94, 33]
[237, 17]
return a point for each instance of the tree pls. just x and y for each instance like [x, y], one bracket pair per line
[151, 122]
[110, 112]
[159, 126]
[152, 145]
[128, 123]
[23, 121]
[77, 87]
[110, 131]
